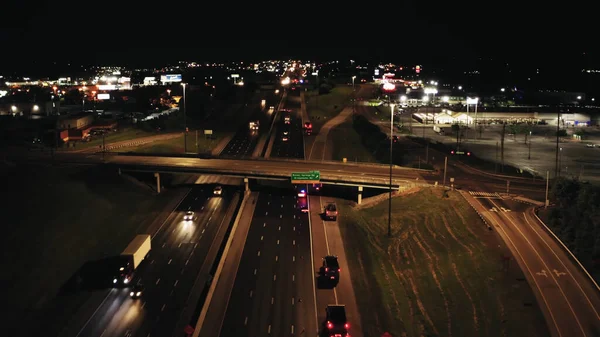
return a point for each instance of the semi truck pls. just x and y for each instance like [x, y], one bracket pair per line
[131, 257]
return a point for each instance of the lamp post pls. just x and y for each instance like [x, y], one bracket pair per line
[529, 155]
[353, 95]
[391, 166]
[184, 120]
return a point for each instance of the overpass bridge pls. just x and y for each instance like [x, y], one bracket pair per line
[331, 173]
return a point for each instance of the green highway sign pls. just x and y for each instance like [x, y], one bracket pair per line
[311, 177]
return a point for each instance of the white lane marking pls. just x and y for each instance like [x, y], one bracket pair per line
[258, 253]
[251, 292]
[272, 300]
[157, 281]
[269, 329]
[175, 284]
[187, 261]
[293, 242]
[293, 277]
[246, 321]
[261, 238]
[255, 271]
[274, 277]
[170, 260]
[276, 258]
[279, 228]
[163, 307]
[264, 224]
[294, 258]
[278, 242]
[293, 300]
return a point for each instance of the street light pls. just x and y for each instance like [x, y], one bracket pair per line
[529, 156]
[391, 165]
[184, 120]
[353, 78]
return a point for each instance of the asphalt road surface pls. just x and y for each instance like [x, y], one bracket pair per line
[273, 291]
[168, 274]
[293, 147]
[569, 300]
[244, 141]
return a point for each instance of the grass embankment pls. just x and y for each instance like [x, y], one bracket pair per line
[113, 137]
[177, 145]
[347, 143]
[321, 108]
[441, 274]
[56, 219]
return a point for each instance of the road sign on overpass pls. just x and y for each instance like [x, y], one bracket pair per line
[311, 177]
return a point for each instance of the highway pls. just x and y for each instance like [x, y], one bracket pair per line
[244, 141]
[294, 146]
[273, 291]
[175, 261]
[569, 300]
[274, 284]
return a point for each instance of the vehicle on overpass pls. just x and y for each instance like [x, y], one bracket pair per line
[132, 256]
[336, 322]
[460, 152]
[331, 211]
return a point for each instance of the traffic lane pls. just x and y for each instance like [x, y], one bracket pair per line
[572, 281]
[187, 262]
[344, 287]
[325, 294]
[237, 311]
[269, 293]
[159, 264]
[293, 147]
[553, 303]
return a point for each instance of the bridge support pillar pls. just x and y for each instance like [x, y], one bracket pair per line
[360, 190]
[157, 175]
[246, 187]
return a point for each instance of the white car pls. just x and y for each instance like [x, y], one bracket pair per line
[188, 216]
[218, 190]
[590, 145]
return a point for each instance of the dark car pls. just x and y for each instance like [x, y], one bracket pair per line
[303, 205]
[331, 267]
[136, 291]
[331, 212]
[336, 322]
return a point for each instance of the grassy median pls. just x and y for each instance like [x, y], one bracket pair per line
[177, 145]
[441, 274]
[321, 108]
[345, 142]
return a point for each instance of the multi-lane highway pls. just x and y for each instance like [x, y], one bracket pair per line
[176, 261]
[273, 291]
[569, 299]
[289, 138]
[244, 141]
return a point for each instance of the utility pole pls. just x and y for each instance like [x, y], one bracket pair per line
[427, 153]
[185, 131]
[547, 183]
[502, 147]
[196, 141]
[391, 165]
[445, 169]
[556, 168]
[496, 162]
[103, 145]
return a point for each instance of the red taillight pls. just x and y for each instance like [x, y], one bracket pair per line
[452, 152]
[346, 325]
[329, 325]
[468, 153]
[339, 269]
[326, 269]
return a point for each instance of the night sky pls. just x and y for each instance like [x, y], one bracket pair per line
[425, 32]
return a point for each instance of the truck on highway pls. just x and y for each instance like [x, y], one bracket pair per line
[131, 257]
[254, 125]
[438, 129]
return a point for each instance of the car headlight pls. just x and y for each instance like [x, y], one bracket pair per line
[115, 281]
[131, 294]
[138, 293]
[126, 281]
